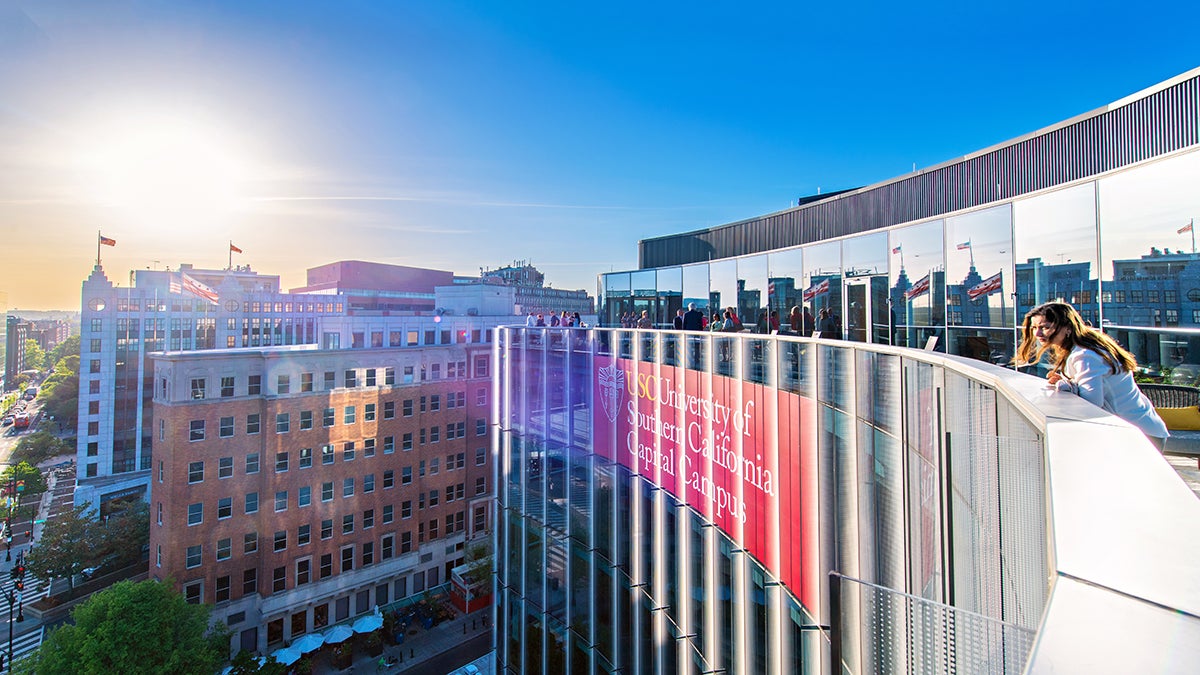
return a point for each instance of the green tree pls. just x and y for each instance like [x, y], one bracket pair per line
[35, 357]
[67, 347]
[35, 484]
[246, 663]
[67, 545]
[124, 534]
[60, 391]
[133, 628]
[38, 447]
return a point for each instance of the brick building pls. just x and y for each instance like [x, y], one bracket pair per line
[293, 487]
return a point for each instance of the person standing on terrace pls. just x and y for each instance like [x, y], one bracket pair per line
[1089, 364]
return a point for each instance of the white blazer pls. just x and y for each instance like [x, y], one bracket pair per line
[1089, 376]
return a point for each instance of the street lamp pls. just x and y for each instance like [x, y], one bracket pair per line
[14, 598]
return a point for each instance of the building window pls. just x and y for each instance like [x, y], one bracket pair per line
[327, 417]
[306, 420]
[250, 543]
[252, 423]
[252, 463]
[327, 528]
[193, 556]
[406, 509]
[224, 548]
[368, 483]
[480, 456]
[193, 592]
[481, 396]
[282, 423]
[283, 384]
[281, 500]
[251, 502]
[407, 441]
[405, 542]
[387, 547]
[326, 565]
[370, 376]
[198, 387]
[388, 514]
[406, 475]
[224, 508]
[389, 410]
[254, 385]
[250, 581]
[480, 485]
[306, 382]
[304, 498]
[348, 415]
[368, 519]
[226, 428]
[281, 462]
[327, 491]
[348, 524]
[369, 412]
[280, 540]
[368, 553]
[330, 380]
[348, 451]
[222, 592]
[305, 458]
[195, 472]
[389, 375]
[368, 447]
[407, 407]
[303, 535]
[196, 430]
[347, 558]
[279, 579]
[195, 514]
[303, 571]
[225, 467]
[480, 427]
[348, 487]
[327, 454]
[389, 445]
[389, 478]
[351, 379]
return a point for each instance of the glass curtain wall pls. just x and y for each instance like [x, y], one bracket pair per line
[865, 266]
[918, 284]
[979, 283]
[752, 292]
[786, 276]
[822, 293]
[670, 295]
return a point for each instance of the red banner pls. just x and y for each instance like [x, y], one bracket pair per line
[741, 454]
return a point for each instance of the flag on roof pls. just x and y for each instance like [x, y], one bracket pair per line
[964, 245]
[196, 288]
[896, 250]
[1185, 228]
[988, 285]
[106, 241]
[234, 248]
[919, 288]
[816, 290]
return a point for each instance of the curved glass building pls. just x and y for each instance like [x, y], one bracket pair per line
[1099, 211]
[758, 502]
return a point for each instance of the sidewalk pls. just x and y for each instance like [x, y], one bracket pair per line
[420, 648]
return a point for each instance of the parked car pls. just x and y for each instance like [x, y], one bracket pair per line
[8, 419]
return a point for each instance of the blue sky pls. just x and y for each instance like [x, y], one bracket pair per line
[456, 135]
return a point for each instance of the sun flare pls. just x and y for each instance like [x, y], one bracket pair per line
[165, 171]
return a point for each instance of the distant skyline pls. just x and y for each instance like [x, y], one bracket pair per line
[459, 135]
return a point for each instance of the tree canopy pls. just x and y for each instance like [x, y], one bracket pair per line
[24, 471]
[133, 628]
[35, 357]
[39, 446]
[73, 541]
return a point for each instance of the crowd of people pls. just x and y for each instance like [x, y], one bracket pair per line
[563, 320]
[800, 321]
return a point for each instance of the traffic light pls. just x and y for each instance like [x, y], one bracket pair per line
[20, 585]
[20, 570]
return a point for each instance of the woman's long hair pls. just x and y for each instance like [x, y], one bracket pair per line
[1064, 317]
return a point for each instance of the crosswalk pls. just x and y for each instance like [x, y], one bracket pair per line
[35, 589]
[22, 645]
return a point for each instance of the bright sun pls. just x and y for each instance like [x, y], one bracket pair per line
[160, 172]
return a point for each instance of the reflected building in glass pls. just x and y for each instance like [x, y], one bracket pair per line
[1097, 211]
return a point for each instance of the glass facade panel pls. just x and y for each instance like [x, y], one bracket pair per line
[786, 278]
[695, 287]
[1055, 250]
[752, 291]
[822, 292]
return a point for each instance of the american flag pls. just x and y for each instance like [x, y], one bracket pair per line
[814, 291]
[918, 288]
[988, 285]
[895, 250]
[196, 288]
[1185, 228]
[106, 241]
[965, 245]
